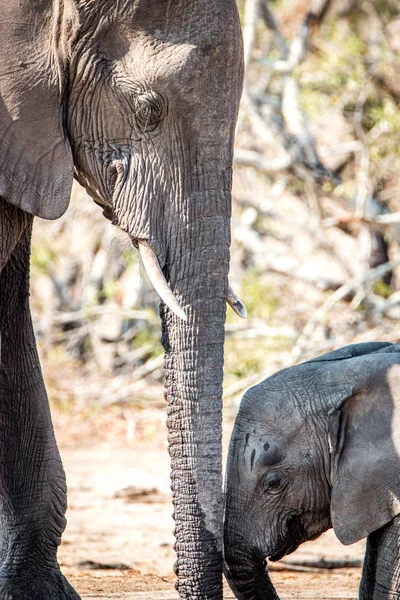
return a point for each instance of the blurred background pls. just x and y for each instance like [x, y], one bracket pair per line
[315, 230]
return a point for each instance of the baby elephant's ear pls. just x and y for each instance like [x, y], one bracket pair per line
[36, 168]
[364, 441]
[352, 351]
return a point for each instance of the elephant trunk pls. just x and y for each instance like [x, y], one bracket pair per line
[198, 265]
[245, 568]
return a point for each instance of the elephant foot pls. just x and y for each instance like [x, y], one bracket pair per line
[55, 587]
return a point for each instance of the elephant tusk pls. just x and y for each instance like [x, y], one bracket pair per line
[153, 270]
[236, 304]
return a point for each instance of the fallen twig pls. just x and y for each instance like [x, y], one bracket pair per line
[94, 565]
[314, 566]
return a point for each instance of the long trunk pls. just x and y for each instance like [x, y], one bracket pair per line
[245, 567]
[198, 275]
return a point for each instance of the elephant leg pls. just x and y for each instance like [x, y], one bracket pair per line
[381, 571]
[32, 480]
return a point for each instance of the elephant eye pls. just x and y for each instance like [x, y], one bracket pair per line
[149, 110]
[272, 482]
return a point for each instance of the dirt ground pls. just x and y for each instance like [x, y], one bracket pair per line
[119, 542]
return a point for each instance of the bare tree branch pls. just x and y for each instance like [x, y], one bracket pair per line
[354, 284]
[249, 158]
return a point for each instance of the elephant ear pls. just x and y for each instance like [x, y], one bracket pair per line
[36, 168]
[351, 351]
[364, 441]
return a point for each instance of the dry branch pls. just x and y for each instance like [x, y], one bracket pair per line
[354, 284]
[250, 158]
[286, 133]
[251, 16]
[314, 566]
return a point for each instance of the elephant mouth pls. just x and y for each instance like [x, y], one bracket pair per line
[295, 535]
[284, 551]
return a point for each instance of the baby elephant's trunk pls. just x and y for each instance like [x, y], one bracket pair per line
[245, 568]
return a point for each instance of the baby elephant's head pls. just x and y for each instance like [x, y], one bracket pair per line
[314, 446]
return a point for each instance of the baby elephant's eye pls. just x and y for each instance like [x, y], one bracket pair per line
[149, 110]
[272, 482]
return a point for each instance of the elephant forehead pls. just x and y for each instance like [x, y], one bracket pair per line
[271, 402]
[161, 59]
[185, 19]
[174, 36]
[204, 24]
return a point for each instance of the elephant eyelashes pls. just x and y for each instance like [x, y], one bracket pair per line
[272, 483]
[149, 110]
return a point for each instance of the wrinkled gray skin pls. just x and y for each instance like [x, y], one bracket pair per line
[138, 99]
[313, 447]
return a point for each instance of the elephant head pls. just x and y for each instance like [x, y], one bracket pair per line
[314, 446]
[139, 100]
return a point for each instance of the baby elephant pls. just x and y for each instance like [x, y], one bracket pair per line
[313, 447]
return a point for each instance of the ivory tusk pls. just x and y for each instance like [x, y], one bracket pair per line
[236, 304]
[158, 280]
[153, 270]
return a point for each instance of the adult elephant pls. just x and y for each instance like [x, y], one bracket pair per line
[138, 99]
[316, 446]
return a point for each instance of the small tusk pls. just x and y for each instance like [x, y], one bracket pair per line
[236, 304]
[157, 278]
